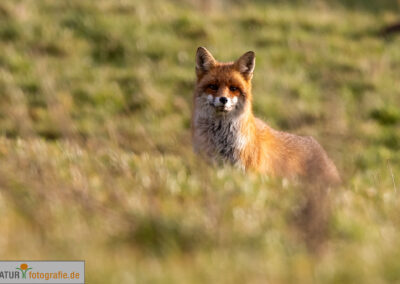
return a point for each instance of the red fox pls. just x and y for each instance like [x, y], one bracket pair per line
[225, 129]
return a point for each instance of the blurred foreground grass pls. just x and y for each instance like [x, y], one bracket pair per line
[95, 156]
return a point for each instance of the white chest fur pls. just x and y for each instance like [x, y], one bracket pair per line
[219, 137]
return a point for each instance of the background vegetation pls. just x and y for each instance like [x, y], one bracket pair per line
[95, 155]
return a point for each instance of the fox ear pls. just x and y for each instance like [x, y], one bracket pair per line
[204, 61]
[246, 63]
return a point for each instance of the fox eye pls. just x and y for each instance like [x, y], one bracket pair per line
[233, 88]
[213, 87]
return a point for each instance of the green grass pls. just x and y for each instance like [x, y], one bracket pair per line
[95, 155]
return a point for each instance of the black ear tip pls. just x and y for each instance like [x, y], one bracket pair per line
[251, 53]
[201, 48]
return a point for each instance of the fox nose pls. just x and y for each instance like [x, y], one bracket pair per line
[223, 100]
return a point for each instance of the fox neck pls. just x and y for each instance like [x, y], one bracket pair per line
[228, 135]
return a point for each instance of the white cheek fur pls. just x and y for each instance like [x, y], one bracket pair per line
[215, 101]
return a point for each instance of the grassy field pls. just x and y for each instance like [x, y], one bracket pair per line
[95, 155]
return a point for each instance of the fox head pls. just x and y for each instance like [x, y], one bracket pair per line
[223, 88]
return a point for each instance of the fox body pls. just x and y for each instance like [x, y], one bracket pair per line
[225, 129]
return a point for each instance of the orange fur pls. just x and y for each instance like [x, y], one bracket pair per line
[235, 135]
